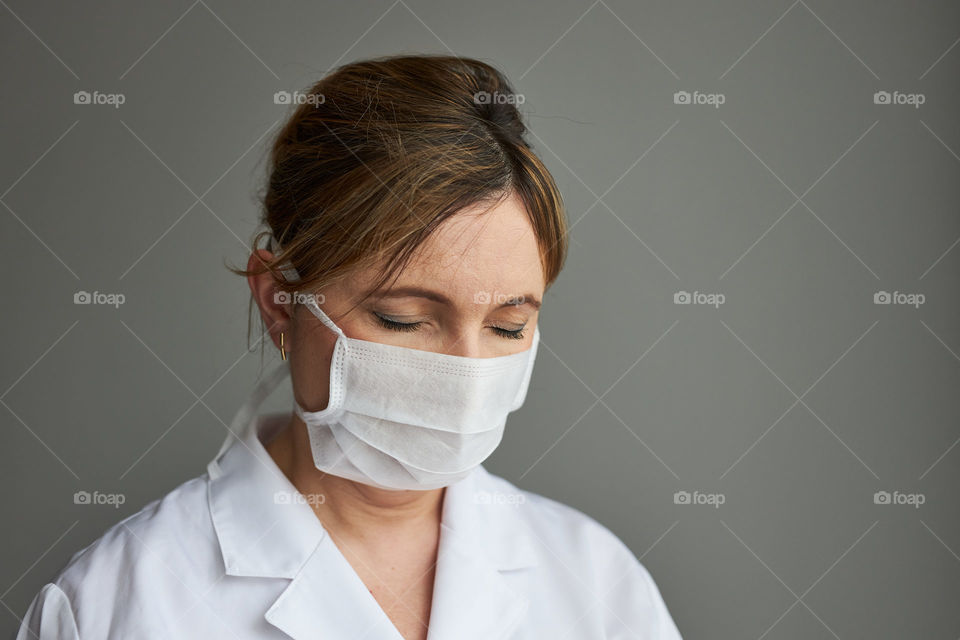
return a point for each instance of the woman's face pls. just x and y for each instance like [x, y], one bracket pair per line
[472, 289]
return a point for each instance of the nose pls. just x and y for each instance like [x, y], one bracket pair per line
[463, 343]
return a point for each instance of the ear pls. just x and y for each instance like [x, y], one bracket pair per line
[275, 310]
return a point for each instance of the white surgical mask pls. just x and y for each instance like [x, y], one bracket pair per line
[402, 418]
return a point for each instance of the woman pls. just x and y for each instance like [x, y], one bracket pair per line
[412, 235]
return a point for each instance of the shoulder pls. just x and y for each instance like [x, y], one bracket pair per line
[155, 533]
[575, 549]
[172, 535]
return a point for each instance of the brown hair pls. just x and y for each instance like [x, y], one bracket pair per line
[378, 153]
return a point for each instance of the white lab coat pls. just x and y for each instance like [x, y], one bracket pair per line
[226, 555]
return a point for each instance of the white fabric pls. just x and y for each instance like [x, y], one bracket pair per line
[238, 554]
[402, 418]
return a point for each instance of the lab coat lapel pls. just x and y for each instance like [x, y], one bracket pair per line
[481, 544]
[262, 529]
[264, 533]
[327, 599]
[471, 598]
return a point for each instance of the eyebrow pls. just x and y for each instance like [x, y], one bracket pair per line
[436, 296]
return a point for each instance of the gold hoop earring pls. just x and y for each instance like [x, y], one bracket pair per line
[283, 353]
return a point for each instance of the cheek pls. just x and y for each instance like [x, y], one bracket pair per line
[309, 358]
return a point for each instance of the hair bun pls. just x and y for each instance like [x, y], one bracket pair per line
[503, 115]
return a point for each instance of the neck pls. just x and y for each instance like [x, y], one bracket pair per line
[348, 507]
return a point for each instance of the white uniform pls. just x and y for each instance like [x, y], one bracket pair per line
[238, 553]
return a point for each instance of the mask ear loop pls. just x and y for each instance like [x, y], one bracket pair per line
[290, 275]
[311, 303]
[522, 391]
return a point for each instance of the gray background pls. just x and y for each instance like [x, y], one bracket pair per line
[797, 199]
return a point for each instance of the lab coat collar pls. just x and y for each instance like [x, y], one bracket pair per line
[473, 596]
[483, 540]
[261, 527]
[479, 515]
[261, 532]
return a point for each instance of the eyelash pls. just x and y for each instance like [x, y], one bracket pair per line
[413, 326]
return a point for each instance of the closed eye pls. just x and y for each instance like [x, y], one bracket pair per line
[393, 325]
[516, 334]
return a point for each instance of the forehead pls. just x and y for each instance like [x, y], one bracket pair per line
[488, 246]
